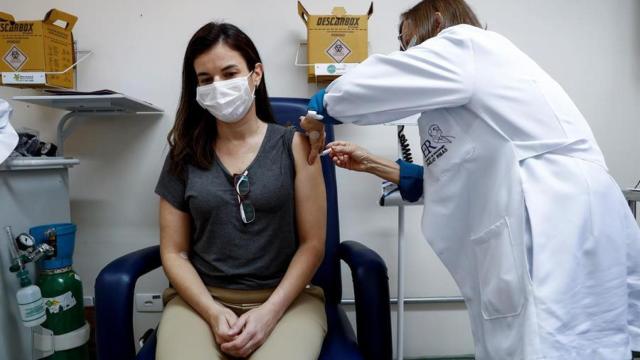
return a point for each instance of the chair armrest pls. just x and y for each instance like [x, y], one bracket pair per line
[371, 289]
[114, 302]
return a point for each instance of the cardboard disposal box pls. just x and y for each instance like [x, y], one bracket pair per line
[336, 42]
[30, 50]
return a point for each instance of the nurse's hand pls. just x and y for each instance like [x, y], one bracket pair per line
[315, 131]
[353, 157]
[349, 156]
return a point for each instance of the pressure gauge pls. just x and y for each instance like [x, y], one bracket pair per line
[25, 241]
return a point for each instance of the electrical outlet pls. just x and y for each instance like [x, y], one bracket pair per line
[88, 301]
[149, 302]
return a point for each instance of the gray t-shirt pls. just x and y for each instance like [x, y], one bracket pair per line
[225, 251]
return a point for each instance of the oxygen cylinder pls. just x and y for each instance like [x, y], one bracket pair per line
[62, 293]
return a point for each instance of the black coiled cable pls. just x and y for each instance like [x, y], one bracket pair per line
[405, 148]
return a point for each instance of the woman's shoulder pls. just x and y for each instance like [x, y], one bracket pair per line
[292, 140]
[282, 132]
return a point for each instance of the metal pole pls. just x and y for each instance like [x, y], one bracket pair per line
[417, 300]
[400, 313]
[401, 248]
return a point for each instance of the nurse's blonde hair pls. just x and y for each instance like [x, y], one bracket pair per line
[421, 17]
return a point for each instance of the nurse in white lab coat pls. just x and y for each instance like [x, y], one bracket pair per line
[518, 201]
[8, 136]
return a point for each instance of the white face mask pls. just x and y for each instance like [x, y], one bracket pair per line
[227, 100]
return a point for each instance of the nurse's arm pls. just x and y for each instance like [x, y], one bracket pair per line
[438, 73]
[408, 176]
[353, 157]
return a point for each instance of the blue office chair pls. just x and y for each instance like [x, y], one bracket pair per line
[114, 288]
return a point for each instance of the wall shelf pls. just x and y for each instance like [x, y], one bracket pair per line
[88, 106]
[37, 163]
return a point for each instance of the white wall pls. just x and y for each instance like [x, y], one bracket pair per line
[591, 47]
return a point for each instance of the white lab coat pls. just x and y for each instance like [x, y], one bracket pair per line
[519, 204]
[8, 136]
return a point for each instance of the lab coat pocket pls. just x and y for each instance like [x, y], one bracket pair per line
[502, 292]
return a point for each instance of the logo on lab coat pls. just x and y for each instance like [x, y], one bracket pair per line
[437, 135]
[432, 148]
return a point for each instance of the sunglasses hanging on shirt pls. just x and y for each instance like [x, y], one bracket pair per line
[241, 185]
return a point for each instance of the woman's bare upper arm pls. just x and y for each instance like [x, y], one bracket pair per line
[311, 202]
[175, 228]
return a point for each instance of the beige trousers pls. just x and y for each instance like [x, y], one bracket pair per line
[299, 334]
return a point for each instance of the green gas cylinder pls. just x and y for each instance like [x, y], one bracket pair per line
[62, 294]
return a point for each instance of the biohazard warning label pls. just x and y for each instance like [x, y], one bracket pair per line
[338, 51]
[15, 58]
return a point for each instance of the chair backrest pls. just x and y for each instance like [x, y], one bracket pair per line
[287, 111]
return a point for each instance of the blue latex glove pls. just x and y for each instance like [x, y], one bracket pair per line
[316, 103]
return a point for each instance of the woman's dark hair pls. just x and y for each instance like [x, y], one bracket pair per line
[192, 136]
[422, 17]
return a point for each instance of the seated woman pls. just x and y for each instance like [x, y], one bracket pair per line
[242, 215]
